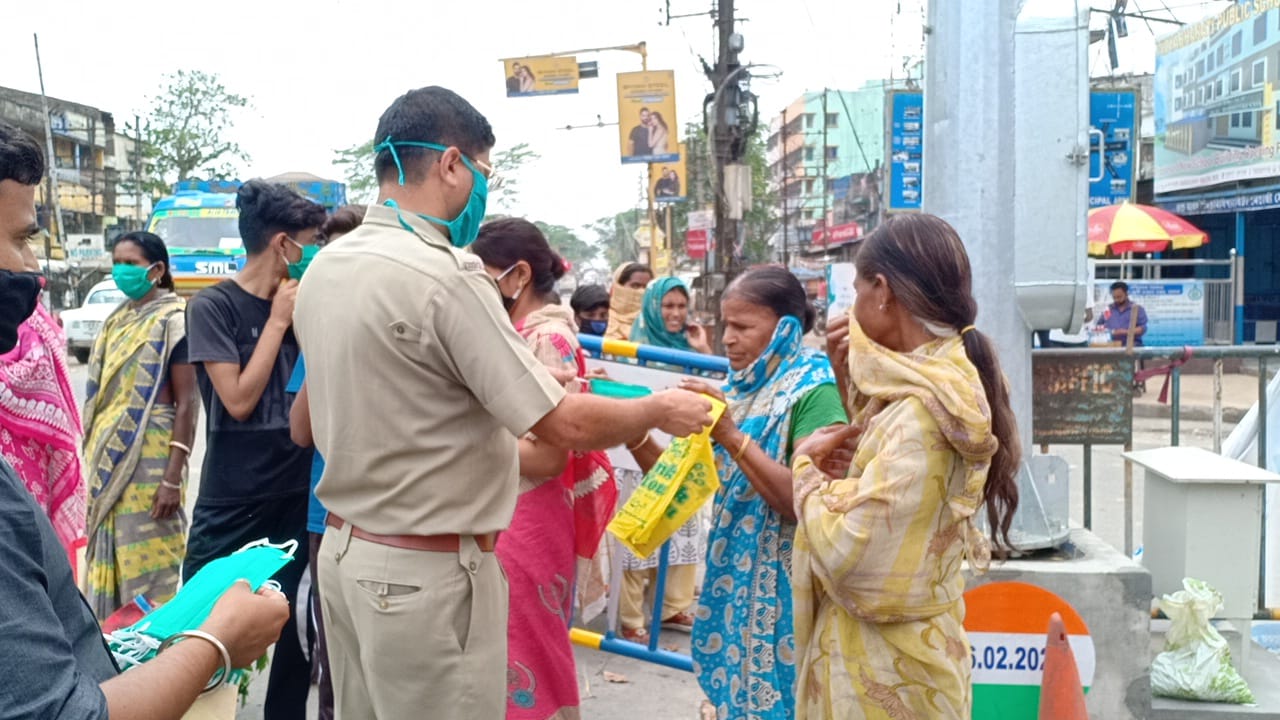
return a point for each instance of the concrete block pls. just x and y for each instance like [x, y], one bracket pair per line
[1112, 594]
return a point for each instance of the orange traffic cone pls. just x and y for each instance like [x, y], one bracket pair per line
[1061, 693]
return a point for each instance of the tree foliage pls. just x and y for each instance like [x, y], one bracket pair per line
[189, 129]
[356, 163]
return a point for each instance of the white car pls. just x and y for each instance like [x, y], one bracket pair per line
[83, 324]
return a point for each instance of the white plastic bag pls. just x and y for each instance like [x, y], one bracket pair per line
[1196, 663]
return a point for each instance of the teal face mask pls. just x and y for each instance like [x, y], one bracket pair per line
[132, 280]
[462, 229]
[296, 269]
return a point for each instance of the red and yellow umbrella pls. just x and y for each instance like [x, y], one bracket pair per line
[1130, 227]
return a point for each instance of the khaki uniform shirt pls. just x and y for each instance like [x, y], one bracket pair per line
[418, 383]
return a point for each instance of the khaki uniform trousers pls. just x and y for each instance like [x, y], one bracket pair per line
[412, 633]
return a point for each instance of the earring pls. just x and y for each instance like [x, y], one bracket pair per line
[882, 307]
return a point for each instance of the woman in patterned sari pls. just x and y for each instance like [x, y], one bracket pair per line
[40, 426]
[879, 610]
[558, 521]
[140, 418]
[778, 393]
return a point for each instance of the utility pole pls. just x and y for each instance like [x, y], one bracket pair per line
[826, 224]
[51, 161]
[786, 185]
[727, 147]
[137, 172]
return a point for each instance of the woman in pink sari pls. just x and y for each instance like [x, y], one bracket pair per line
[40, 426]
[558, 521]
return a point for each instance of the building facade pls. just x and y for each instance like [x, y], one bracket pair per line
[82, 145]
[825, 153]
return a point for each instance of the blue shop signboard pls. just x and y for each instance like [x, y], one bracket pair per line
[1112, 158]
[906, 144]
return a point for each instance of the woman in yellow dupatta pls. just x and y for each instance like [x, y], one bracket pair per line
[139, 419]
[877, 567]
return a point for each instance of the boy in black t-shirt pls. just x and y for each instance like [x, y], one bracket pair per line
[254, 481]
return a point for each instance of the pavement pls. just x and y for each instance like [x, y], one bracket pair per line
[618, 688]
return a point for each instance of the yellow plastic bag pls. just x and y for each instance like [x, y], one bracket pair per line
[683, 479]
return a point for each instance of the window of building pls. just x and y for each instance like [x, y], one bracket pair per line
[1200, 95]
[1177, 103]
[808, 187]
[1217, 88]
[811, 213]
[1200, 67]
[1259, 73]
[1235, 80]
[808, 121]
[833, 120]
[1235, 120]
[1237, 41]
[1260, 30]
[808, 152]
[1222, 53]
[1246, 119]
[833, 152]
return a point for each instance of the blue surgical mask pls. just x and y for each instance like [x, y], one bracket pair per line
[464, 228]
[593, 327]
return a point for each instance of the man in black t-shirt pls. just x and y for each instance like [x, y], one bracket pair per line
[255, 479]
[640, 136]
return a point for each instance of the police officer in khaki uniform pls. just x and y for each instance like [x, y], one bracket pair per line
[419, 388]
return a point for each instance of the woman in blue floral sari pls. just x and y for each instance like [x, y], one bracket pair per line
[778, 393]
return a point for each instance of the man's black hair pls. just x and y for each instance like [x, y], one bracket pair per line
[268, 208]
[430, 114]
[21, 159]
[1120, 285]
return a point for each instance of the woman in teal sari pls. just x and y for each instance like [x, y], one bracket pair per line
[139, 421]
[664, 319]
[778, 393]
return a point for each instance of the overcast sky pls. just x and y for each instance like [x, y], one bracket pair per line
[319, 72]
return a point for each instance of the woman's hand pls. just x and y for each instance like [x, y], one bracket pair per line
[247, 623]
[725, 429]
[838, 353]
[698, 339]
[167, 500]
[831, 448]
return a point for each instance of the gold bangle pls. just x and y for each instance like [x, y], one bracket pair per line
[746, 442]
[637, 446]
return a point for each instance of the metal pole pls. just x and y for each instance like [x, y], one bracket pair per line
[1088, 486]
[826, 225]
[786, 185]
[137, 172]
[1262, 463]
[1128, 503]
[726, 228]
[1217, 405]
[52, 161]
[1176, 426]
[1237, 277]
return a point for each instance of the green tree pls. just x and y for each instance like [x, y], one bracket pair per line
[759, 224]
[507, 165]
[356, 163]
[189, 128]
[569, 246]
[615, 236]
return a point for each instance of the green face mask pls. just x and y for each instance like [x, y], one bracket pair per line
[296, 269]
[132, 280]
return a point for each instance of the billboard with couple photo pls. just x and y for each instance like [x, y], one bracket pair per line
[546, 75]
[647, 117]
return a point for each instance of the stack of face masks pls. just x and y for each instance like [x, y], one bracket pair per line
[188, 610]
